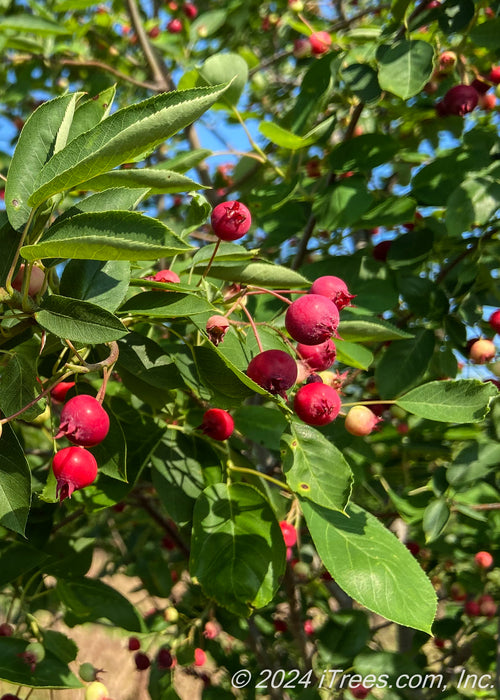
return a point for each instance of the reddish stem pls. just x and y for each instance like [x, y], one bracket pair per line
[254, 328]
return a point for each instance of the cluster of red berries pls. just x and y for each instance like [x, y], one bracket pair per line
[462, 99]
[85, 423]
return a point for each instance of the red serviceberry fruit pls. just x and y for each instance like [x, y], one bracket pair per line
[359, 691]
[199, 657]
[289, 533]
[280, 625]
[164, 276]
[487, 605]
[460, 100]
[457, 592]
[494, 75]
[274, 370]
[217, 424]
[320, 42]
[487, 102]
[84, 421]
[301, 48]
[334, 288]
[312, 319]
[9, 696]
[36, 280]
[216, 328]
[381, 250]
[6, 630]
[447, 61]
[480, 86]
[318, 357]
[308, 627]
[472, 609]
[164, 659]
[482, 351]
[230, 220]
[439, 643]
[142, 661]
[212, 629]
[174, 26]
[483, 559]
[360, 420]
[414, 547]
[317, 404]
[494, 321]
[314, 378]
[58, 393]
[190, 10]
[154, 32]
[134, 644]
[74, 468]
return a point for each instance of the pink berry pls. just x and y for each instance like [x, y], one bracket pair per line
[495, 321]
[212, 629]
[460, 100]
[58, 393]
[447, 60]
[200, 657]
[361, 421]
[174, 26]
[487, 102]
[360, 691]
[74, 468]
[274, 370]
[217, 424]
[154, 32]
[164, 276]
[334, 288]
[487, 606]
[494, 75]
[134, 644]
[308, 627]
[142, 661]
[217, 327]
[312, 319]
[289, 533]
[37, 279]
[482, 351]
[190, 10]
[472, 609]
[317, 404]
[320, 42]
[84, 421]
[230, 220]
[483, 559]
[318, 357]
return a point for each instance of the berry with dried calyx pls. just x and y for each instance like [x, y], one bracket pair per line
[217, 327]
[334, 288]
[74, 468]
[84, 421]
[318, 357]
[231, 220]
[212, 629]
[312, 319]
[361, 421]
[142, 661]
[200, 657]
[320, 42]
[317, 404]
[483, 559]
[58, 393]
[274, 370]
[482, 351]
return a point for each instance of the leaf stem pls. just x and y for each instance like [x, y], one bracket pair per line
[254, 327]
[10, 275]
[254, 472]
[212, 258]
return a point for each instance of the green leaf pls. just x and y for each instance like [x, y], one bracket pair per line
[18, 559]
[159, 181]
[166, 305]
[259, 273]
[473, 203]
[449, 401]
[223, 68]
[436, 516]
[486, 34]
[92, 599]
[207, 23]
[79, 321]
[314, 468]
[60, 645]
[15, 483]
[363, 153]
[371, 565]
[110, 235]
[38, 141]
[237, 548]
[18, 383]
[89, 113]
[410, 357]
[362, 329]
[49, 673]
[284, 138]
[121, 137]
[344, 203]
[261, 424]
[353, 355]
[9, 240]
[102, 283]
[33, 24]
[405, 67]
[224, 380]
[184, 161]
[225, 252]
[362, 80]
[390, 212]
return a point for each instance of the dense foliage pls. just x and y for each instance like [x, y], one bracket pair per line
[190, 190]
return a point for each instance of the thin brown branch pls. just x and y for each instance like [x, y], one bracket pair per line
[84, 63]
[159, 71]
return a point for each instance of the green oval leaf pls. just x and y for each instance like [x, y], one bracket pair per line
[314, 468]
[49, 673]
[410, 357]
[237, 548]
[370, 564]
[79, 321]
[159, 181]
[101, 283]
[353, 355]
[15, 485]
[405, 67]
[223, 68]
[110, 235]
[362, 329]
[436, 515]
[260, 273]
